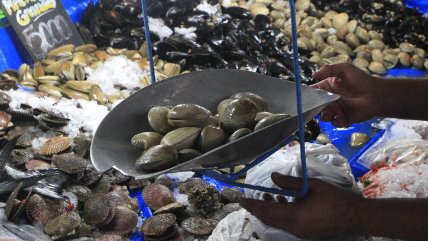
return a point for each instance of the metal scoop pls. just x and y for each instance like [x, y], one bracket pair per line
[111, 145]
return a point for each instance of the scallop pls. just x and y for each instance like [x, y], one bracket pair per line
[123, 222]
[70, 163]
[157, 196]
[96, 210]
[231, 195]
[55, 145]
[82, 193]
[62, 225]
[159, 226]
[238, 114]
[43, 209]
[31, 165]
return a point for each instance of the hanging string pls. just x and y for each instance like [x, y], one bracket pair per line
[304, 189]
[148, 41]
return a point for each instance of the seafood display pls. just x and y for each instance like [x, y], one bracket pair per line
[256, 36]
[173, 220]
[186, 131]
[79, 73]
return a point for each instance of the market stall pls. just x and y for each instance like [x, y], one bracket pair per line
[54, 98]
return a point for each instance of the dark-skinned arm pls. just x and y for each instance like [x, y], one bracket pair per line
[328, 211]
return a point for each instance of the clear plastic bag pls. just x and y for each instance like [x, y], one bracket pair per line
[323, 161]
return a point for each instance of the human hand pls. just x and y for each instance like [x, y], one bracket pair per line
[358, 101]
[324, 212]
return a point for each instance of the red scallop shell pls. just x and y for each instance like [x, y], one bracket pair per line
[157, 196]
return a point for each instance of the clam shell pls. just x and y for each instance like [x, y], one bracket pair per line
[376, 44]
[210, 138]
[158, 119]
[352, 40]
[159, 225]
[302, 5]
[82, 86]
[407, 47]
[124, 222]
[404, 59]
[95, 93]
[146, 140]
[240, 113]
[96, 210]
[199, 226]
[188, 115]
[340, 20]
[64, 48]
[351, 26]
[171, 69]
[417, 61]
[375, 35]
[55, 145]
[426, 64]
[181, 138]
[158, 158]
[390, 61]
[323, 139]
[86, 48]
[258, 100]
[157, 196]
[358, 139]
[377, 55]
[222, 105]
[361, 63]
[70, 163]
[377, 68]
[62, 225]
[188, 154]
[269, 120]
[420, 52]
[362, 34]
[238, 134]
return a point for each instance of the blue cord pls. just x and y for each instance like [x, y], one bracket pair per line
[148, 41]
[304, 189]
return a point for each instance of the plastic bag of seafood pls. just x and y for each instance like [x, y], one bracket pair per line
[323, 161]
[403, 141]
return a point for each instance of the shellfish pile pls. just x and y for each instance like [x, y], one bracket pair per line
[71, 72]
[184, 127]
[255, 35]
[177, 221]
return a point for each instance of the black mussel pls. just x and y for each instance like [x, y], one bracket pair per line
[262, 22]
[238, 12]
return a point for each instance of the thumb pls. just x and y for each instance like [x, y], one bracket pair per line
[288, 183]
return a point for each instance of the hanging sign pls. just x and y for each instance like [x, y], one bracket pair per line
[42, 25]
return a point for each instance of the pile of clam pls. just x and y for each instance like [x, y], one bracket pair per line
[177, 221]
[185, 131]
[63, 74]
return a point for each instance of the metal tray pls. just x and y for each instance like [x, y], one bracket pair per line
[111, 145]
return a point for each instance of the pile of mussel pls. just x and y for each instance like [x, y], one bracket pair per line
[178, 221]
[236, 39]
[185, 131]
[256, 36]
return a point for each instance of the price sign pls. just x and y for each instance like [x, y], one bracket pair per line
[42, 25]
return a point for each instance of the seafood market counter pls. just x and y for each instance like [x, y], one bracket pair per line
[56, 105]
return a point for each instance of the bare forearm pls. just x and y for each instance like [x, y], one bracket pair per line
[403, 98]
[394, 218]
